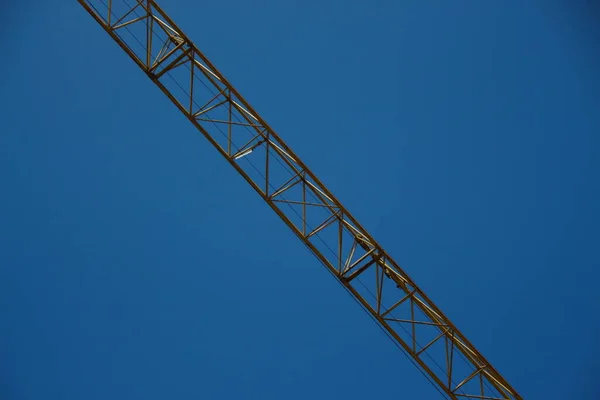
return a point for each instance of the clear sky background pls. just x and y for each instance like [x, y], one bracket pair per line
[136, 264]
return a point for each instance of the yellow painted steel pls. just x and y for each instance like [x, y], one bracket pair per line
[170, 59]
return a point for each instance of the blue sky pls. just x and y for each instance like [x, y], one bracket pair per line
[135, 263]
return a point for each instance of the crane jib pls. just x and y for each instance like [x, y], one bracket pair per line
[170, 59]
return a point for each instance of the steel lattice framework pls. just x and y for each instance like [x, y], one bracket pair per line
[170, 59]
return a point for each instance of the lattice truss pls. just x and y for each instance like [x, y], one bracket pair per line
[215, 108]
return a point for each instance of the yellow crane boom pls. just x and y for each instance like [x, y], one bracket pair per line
[215, 108]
